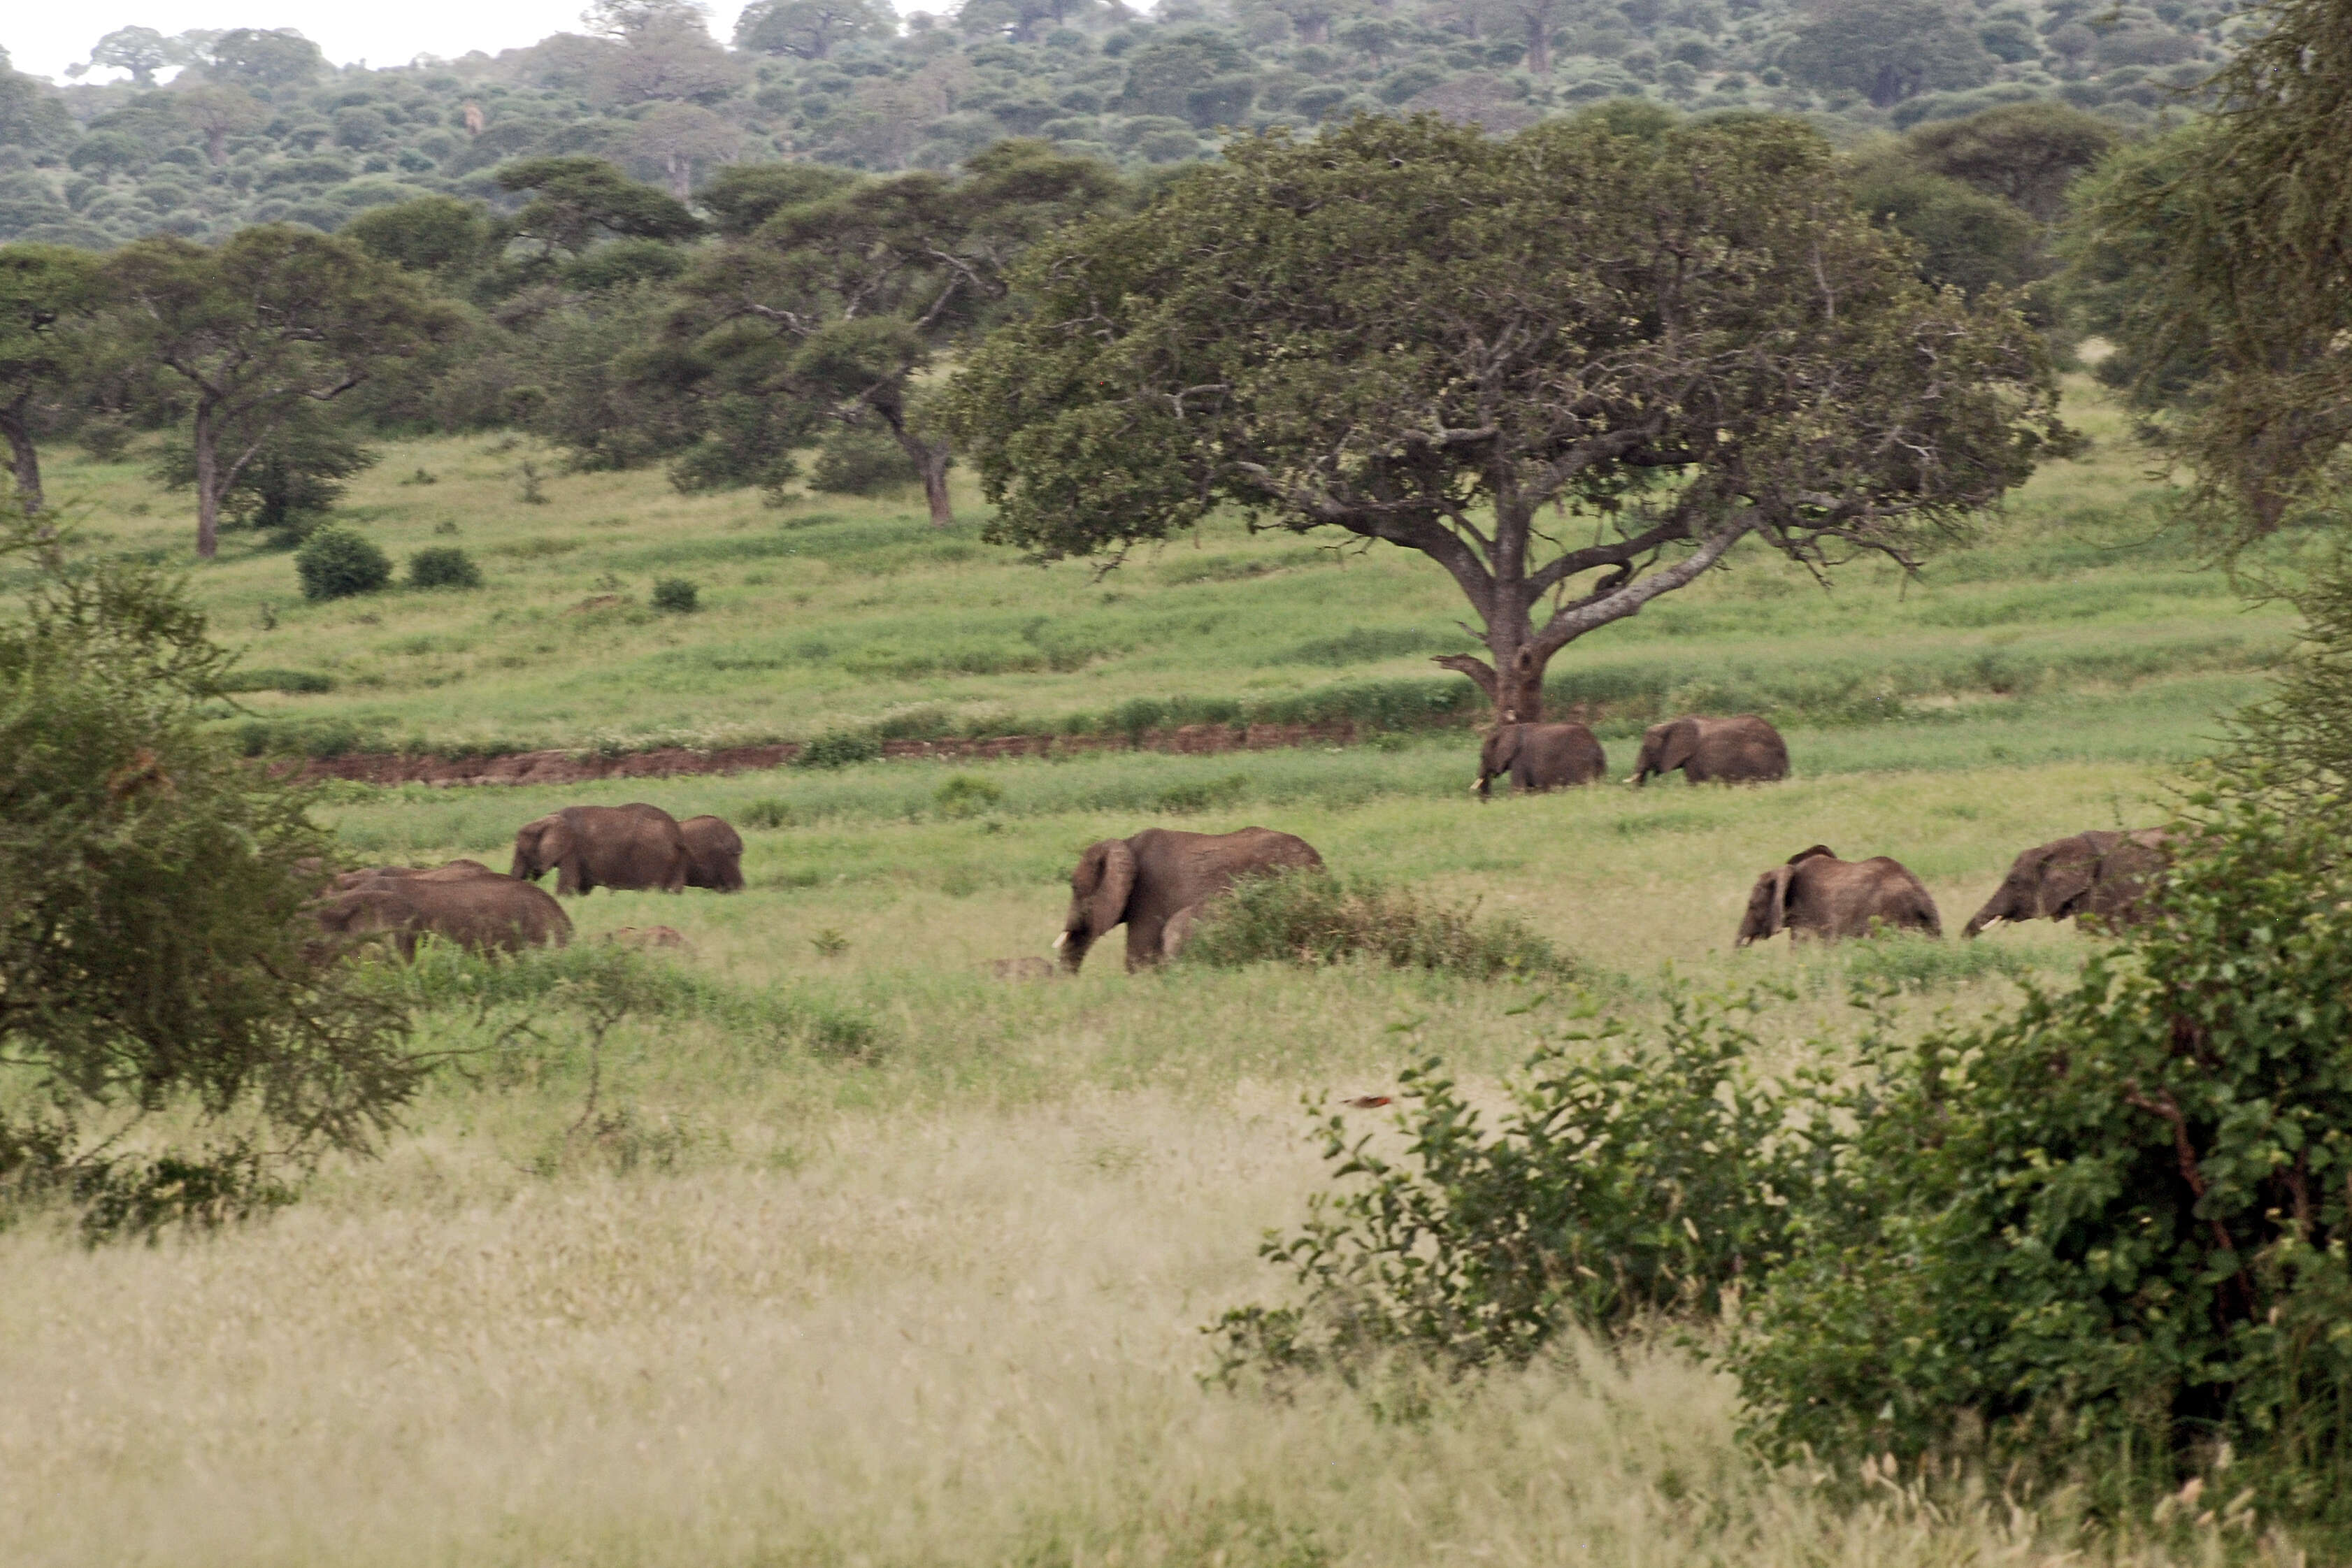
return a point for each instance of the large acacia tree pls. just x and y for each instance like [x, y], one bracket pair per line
[1574, 368]
[48, 295]
[245, 333]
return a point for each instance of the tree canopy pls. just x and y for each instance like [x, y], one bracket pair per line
[47, 291]
[1574, 368]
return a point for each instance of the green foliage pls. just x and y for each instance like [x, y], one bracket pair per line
[297, 474]
[2223, 273]
[856, 461]
[1311, 918]
[337, 563]
[443, 566]
[1624, 1179]
[841, 748]
[676, 595]
[576, 201]
[151, 953]
[1137, 394]
[288, 681]
[967, 795]
[1887, 51]
[2112, 1223]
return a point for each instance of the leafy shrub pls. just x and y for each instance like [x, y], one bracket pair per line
[967, 795]
[766, 813]
[839, 749]
[1626, 1178]
[1206, 795]
[337, 563]
[151, 955]
[676, 595]
[443, 566]
[2115, 1220]
[856, 461]
[1310, 917]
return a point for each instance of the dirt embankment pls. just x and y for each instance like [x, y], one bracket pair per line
[572, 767]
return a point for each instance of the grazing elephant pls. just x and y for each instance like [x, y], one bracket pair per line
[2100, 875]
[1157, 882]
[589, 846]
[714, 854]
[484, 912]
[1818, 894]
[1540, 757]
[450, 871]
[1743, 750]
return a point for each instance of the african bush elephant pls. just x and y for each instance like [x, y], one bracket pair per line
[2100, 875]
[714, 854]
[449, 870]
[478, 909]
[1818, 894]
[589, 846]
[1540, 757]
[1742, 750]
[1156, 883]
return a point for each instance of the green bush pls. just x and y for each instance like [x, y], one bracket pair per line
[308, 682]
[839, 749]
[676, 595]
[1625, 1178]
[766, 813]
[151, 890]
[856, 461]
[1310, 917]
[336, 563]
[2112, 1222]
[967, 795]
[443, 566]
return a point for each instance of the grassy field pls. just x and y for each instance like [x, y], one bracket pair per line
[867, 1256]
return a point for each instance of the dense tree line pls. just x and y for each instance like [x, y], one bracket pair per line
[209, 132]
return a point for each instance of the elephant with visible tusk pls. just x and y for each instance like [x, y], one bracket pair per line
[2101, 876]
[1742, 750]
[1540, 757]
[1156, 883]
[1817, 894]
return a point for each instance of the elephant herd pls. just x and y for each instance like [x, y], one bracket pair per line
[636, 847]
[1157, 883]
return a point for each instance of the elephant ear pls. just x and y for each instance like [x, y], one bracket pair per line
[529, 864]
[1503, 746]
[2066, 875]
[1105, 879]
[1680, 743]
[1777, 918]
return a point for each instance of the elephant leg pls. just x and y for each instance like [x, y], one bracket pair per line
[1143, 940]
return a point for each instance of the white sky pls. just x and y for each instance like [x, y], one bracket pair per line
[44, 37]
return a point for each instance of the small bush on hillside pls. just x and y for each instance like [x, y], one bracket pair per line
[766, 813]
[839, 749]
[856, 461]
[291, 681]
[1205, 795]
[967, 795]
[444, 566]
[1310, 917]
[675, 596]
[337, 563]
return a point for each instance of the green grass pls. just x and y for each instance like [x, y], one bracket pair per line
[867, 1249]
[835, 615]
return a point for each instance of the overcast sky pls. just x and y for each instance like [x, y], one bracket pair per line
[44, 37]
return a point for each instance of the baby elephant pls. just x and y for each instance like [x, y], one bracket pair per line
[714, 854]
[1156, 883]
[2103, 876]
[1818, 894]
[1742, 750]
[589, 846]
[1540, 757]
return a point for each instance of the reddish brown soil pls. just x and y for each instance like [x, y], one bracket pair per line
[572, 767]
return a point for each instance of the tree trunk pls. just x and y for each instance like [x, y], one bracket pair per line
[931, 458]
[681, 176]
[207, 442]
[1539, 44]
[21, 455]
[216, 145]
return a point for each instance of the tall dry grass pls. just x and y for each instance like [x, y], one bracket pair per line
[958, 1338]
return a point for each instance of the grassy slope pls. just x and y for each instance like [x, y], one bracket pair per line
[928, 1294]
[833, 613]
